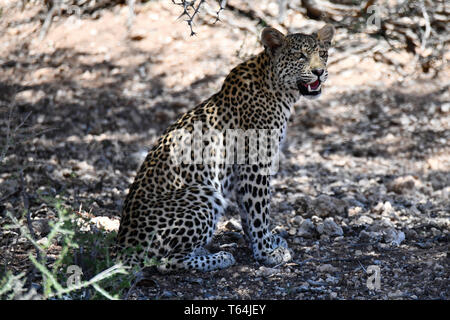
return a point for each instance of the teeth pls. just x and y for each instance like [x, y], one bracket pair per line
[316, 89]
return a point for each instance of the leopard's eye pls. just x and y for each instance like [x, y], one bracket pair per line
[323, 54]
[302, 56]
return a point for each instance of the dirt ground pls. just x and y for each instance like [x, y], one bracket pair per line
[364, 179]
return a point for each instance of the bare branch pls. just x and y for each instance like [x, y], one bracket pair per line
[190, 9]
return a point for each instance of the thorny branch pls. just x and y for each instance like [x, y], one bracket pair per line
[222, 4]
[188, 7]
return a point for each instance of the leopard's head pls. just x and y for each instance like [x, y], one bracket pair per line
[299, 60]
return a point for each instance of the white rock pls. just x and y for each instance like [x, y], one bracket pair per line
[396, 294]
[394, 237]
[30, 96]
[265, 271]
[106, 223]
[365, 220]
[327, 268]
[387, 208]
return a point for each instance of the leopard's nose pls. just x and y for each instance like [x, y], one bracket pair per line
[317, 72]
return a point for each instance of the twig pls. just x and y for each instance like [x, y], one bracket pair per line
[223, 4]
[362, 266]
[187, 5]
[60, 290]
[131, 13]
[427, 25]
[10, 134]
[26, 205]
[47, 22]
[9, 195]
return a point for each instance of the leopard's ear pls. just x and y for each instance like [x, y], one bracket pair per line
[272, 38]
[326, 34]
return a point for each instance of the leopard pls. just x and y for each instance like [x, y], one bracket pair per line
[172, 208]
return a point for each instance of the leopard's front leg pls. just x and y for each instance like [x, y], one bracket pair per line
[254, 198]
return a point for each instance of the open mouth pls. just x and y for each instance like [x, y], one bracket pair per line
[310, 89]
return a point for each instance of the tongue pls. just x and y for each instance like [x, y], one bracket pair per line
[314, 85]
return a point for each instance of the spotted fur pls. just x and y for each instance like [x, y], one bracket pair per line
[171, 210]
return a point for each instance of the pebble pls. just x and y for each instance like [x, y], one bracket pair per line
[401, 184]
[330, 228]
[266, 271]
[307, 229]
[30, 96]
[298, 220]
[43, 241]
[327, 268]
[41, 227]
[393, 236]
[167, 294]
[324, 206]
[396, 294]
[365, 220]
[233, 225]
[106, 223]
[353, 211]
[370, 236]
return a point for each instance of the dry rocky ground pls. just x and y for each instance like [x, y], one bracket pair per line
[364, 178]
